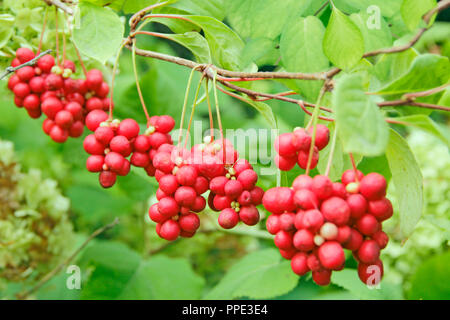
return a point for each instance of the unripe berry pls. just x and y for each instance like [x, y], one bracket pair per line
[381, 238]
[284, 146]
[58, 134]
[336, 210]
[278, 200]
[128, 128]
[120, 144]
[168, 207]
[94, 118]
[298, 264]
[189, 222]
[273, 224]
[367, 225]
[92, 146]
[283, 240]
[95, 163]
[322, 187]
[369, 252]
[24, 55]
[185, 196]
[301, 140]
[349, 176]
[313, 220]
[322, 136]
[68, 64]
[114, 161]
[331, 255]
[306, 199]
[304, 240]
[303, 156]
[302, 182]
[228, 218]
[356, 239]
[285, 163]
[322, 277]
[170, 230]
[381, 209]
[329, 231]
[249, 215]
[107, 179]
[371, 274]
[373, 186]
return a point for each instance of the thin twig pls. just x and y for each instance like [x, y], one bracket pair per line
[414, 95]
[58, 268]
[59, 4]
[9, 70]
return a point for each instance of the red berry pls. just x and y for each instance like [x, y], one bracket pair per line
[228, 218]
[51, 106]
[114, 161]
[381, 209]
[75, 109]
[257, 194]
[357, 204]
[371, 274]
[322, 136]
[187, 175]
[45, 63]
[155, 215]
[15, 63]
[217, 185]
[273, 224]
[128, 128]
[199, 204]
[381, 238]
[165, 124]
[47, 125]
[92, 146]
[140, 159]
[339, 190]
[18, 102]
[103, 91]
[141, 143]
[278, 200]
[25, 74]
[305, 199]
[298, 264]
[322, 187]
[21, 90]
[303, 156]
[64, 119]
[288, 254]
[283, 240]
[241, 165]
[104, 135]
[76, 130]
[53, 82]
[58, 134]
[373, 186]
[31, 102]
[285, 163]
[189, 223]
[120, 144]
[355, 241]
[298, 222]
[185, 196]
[125, 168]
[94, 103]
[163, 162]
[286, 221]
[168, 207]
[201, 185]
[94, 118]
[284, 146]
[233, 188]
[248, 179]
[170, 230]
[12, 81]
[313, 220]
[367, 225]
[37, 84]
[24, 55]
[331, 255]
[336, 210]
[34, 113]
[344, 234]
[349, 176]
[301, 140]
[249, 215]
[304, 240]
[245, 198]
[68, 64]
[369, 252]
[313, 262]
[107, 179]
[302, 182]
[322, 277]
[222, 202]
[94, 79]
[168, 183]
[95, 163]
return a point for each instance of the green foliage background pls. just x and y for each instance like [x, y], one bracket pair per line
[130, 261]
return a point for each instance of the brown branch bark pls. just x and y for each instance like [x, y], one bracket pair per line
[61, 5]
[58, 268]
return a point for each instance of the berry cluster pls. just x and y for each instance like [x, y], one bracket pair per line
[48, 88]
[293, 147]
[184, 176]
[316, 219]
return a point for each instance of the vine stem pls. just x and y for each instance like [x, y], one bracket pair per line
[58, 268]
[136, 78]
[332, 149]
[44, 24]
[194, 105]
[116, 62]
[315, 119]
[211, 120]
[183, 111]
[10, 69]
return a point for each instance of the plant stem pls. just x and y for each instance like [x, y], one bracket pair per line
[352, 159]
[136, 78]
[211, 120]
[113, 77]
[331, 155]
[186, 96]
[9, 70]
[194, 105]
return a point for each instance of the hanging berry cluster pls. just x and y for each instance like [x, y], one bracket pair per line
[294, 147]
[316, 219]
[185, 175]
[49, 89]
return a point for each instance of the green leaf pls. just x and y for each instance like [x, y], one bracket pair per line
[264, 109]
[100, 32]
[132, 6]
[408, 182]
[426, 71]
[361, 126]
[348, 279]
[375, 36]
[425, 123]
[245, 16]
[225, 44]
[212, 8]
[301, 51]
[164, 278]
[445, 98]
[6, 30]
[430, 282]
[387, 8]
[195, 43]
[260, 275]
[343, 43]
[412, 11]
[261, 51]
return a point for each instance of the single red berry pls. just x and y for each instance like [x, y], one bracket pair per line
[31, 102]
[286, 221]
[140, 159]
[349, 176]
[125, 168]
[114, 161]
[128, 128]
[248, 179]
[228, 218]
[303, 156]
[165, 124]
[356, 239]
[339, 190]
[168, 207]
[95, 163]
[217, 185]
[64, 119]
[199, 204]
[313, 262]
[69, 64]
[94, 103]
[305, 199]
[304, 240]
[45, 63]
[322, 187]
[273, 224]
[336, 210]
[21, 90]
[92, 146]
[222, 202]
[233, 188]
[12, 81]
[298, 264]
[257, 194]
[278, 200]
[344, 234]
[185, 196]
[245, 198]
[47, 125]
[187, 175]
[322, 277]
[170, 230]
[285, 163]
[201, 185]
[163, 162]
[302, 182]
[283, 240]
[94, 118]
[381, 238]
[369, 252]
[298, 222]
[76, 130]
[381, 209]
[373, 186]
[107, 179]
[357, 204]
[322, 136]
[168, 183]
[94, 79]
[368, 225]
[249, 215]
[120, 144]
[51, 106]
[312, 220]
[75, 109]
[189, 222]
[241, 165]
[24, 55]
[331, 255]
[371, 274]
[37, 84]
[25, 74]
[141, 143]
[284, 146]
[103, 91]
[301, 140]
[155, 215]
[54, 82]
[58, 134]
[288, 254]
